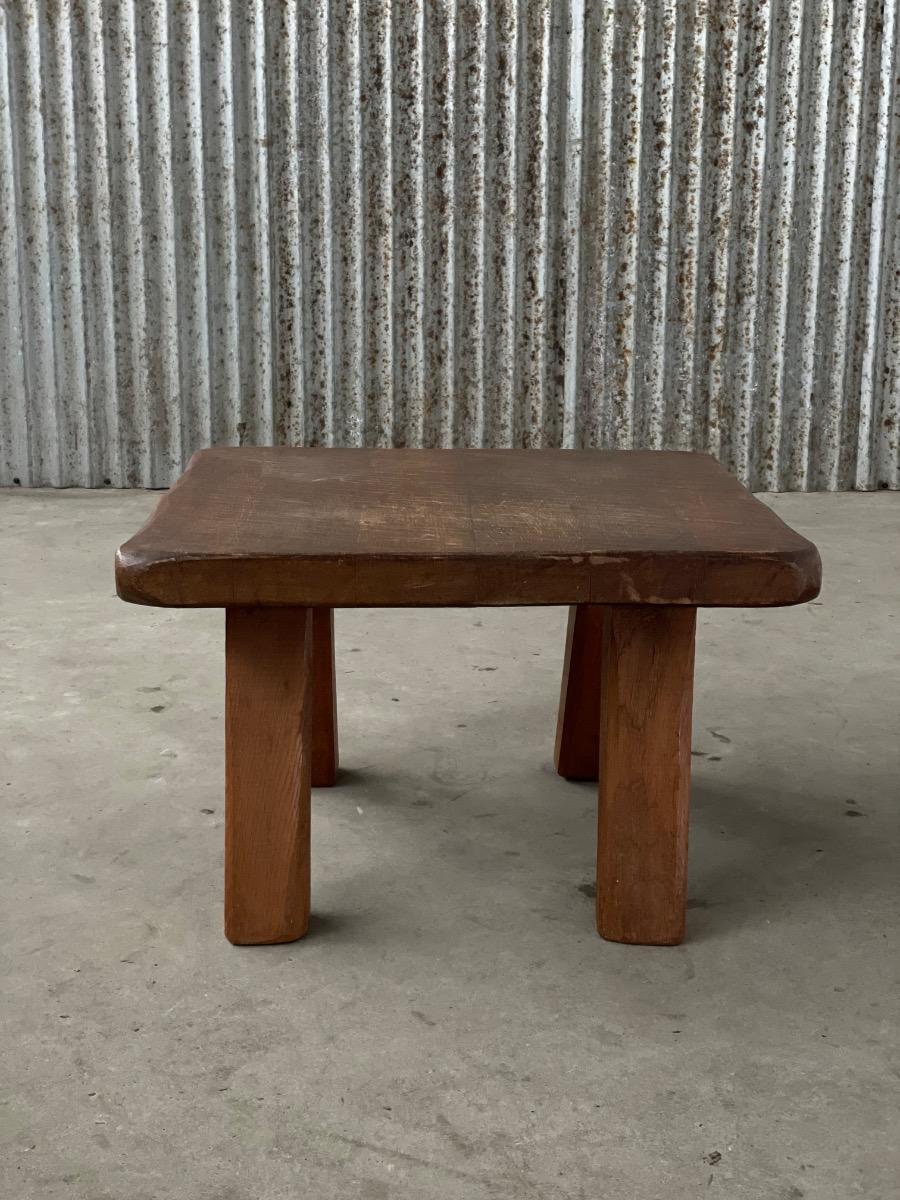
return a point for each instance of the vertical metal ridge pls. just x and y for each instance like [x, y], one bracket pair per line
[95, 215]
[688, 123]
[531, 244]
[190, 248]
[65, 246]
[501, 220]
[217, 64]
[377, 106]
[807, 235]
[158, 231]
[37, 324]
[409, 224]
[776, 269]
[597, 220]
[252, 218]
[570, 240]
[318, 222]
[450, 222]
[885, 470]
[843, 149]
[624, 249]
[469, 188]
[15, 456]
[439, 314]
[558, 246]
[129, 282]
[744, 282]
[872, 241]
[288, 392]
[711, 376]
[654, 227]
[347, 206]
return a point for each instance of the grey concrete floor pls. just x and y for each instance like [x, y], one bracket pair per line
[452, 1027]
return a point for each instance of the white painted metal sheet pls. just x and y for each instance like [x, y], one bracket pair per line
[450, 222]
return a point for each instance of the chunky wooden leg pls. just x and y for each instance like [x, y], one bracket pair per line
[645, 760]
[268, 654]
[578, 725]
[324, 718]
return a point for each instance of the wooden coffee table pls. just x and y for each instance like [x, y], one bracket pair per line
[633, 541]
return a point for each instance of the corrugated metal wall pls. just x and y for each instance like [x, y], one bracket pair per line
[450, 222]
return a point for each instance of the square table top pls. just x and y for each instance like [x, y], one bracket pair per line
[369, 528]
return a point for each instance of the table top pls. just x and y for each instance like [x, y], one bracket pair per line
[361, 528]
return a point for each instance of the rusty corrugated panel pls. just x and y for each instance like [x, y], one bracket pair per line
[452, 222]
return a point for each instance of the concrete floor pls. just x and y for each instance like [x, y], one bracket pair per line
[452, 1028]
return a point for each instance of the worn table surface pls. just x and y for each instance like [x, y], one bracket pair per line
[344, 528]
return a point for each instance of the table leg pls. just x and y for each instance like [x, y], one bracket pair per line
[645, 762]
[577, 754]
[268, 657]
[324, 717]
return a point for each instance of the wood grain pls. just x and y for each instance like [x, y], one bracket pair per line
[344, 528]
[268, 711]
[577, 753]
[324, 718]
[645, 763]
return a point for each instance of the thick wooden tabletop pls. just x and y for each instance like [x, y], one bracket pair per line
[346, 528]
